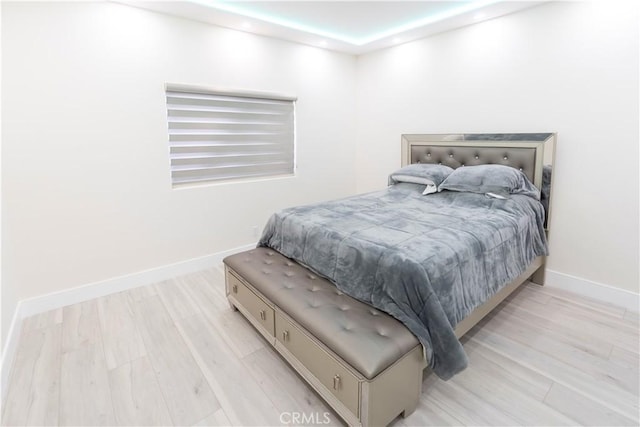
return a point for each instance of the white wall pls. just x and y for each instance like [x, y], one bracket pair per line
[567, 67]
[86, 186]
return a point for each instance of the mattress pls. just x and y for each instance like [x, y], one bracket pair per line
[428, 261]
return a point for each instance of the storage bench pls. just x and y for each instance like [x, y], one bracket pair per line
[364, 363]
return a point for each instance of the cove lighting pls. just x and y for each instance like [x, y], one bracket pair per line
[241, 9]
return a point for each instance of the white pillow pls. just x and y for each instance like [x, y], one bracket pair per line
[430, 175]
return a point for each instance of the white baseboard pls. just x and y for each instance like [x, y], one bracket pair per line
[42, 303]
[9, 352]
[55, 300]
[594, 290]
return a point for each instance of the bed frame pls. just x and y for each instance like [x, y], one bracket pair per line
[528, 152]
[255, 278]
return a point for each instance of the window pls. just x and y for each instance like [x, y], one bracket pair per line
[217, 135]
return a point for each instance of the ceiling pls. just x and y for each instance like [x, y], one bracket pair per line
[354, 27]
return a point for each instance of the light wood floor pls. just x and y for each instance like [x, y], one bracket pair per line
[173, 353]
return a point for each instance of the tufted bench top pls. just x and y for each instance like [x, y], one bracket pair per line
[366, 338]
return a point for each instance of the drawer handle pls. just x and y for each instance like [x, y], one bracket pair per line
[263, 315]
[285, 335]
[336, 381]
[235, 289]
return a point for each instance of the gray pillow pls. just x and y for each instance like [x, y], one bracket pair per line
[427, 174]
[494, 180]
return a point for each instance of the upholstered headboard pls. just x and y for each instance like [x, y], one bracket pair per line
[524, 151]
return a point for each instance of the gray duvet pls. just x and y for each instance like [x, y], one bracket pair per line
[426, 260]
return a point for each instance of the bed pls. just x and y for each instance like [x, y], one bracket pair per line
[437, 262]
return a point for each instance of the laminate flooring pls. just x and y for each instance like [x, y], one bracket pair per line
[174, 353]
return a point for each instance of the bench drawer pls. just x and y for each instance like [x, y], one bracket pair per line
[260, 311]
[328, 370]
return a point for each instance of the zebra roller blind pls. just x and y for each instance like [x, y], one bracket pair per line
[216, 135]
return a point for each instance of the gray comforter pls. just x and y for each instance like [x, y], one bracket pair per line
[426, 260]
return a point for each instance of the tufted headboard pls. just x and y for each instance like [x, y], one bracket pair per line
[524, 151]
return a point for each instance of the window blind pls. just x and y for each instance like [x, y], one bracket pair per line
[216, 135]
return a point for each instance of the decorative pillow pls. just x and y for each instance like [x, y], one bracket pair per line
[427, 174]
[493, 180]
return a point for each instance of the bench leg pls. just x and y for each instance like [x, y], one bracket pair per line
[394, 391]
[410, 409]
[414, 398]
